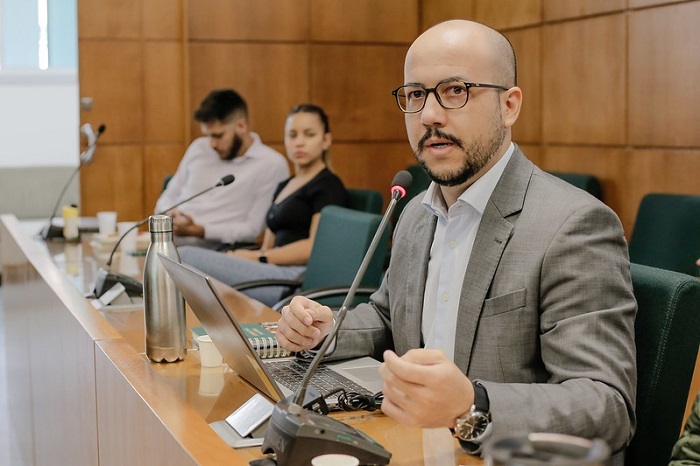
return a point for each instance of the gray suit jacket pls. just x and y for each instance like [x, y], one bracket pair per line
[546, 318]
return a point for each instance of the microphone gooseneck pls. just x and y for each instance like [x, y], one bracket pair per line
[85, 157]
[225, 181]
[106, 279]
[402, 181]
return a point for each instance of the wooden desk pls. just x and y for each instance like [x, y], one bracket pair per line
[82, 392]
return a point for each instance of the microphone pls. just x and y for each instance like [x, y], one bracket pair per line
[106, 280]
[295, 434]
[50, 230]
[86, 129]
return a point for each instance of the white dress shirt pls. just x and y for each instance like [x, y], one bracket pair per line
[449, 254]
[230, 213]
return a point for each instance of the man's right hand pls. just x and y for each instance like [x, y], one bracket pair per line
[183, 225]
[304, 324]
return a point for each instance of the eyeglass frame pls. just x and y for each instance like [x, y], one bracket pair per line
[428, 90]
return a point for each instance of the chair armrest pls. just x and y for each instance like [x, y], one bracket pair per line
[320, 293]
[260, 283]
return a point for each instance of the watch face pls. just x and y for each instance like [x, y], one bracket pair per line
[472, 425]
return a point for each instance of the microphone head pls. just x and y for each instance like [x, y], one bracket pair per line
[227, 180]
[87, 130]
[101, 129]
[402, 181]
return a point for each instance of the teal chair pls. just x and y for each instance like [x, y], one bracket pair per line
[420, 183]
[666, 232]
[166, 180]
[667, 337]
[585, 181]
[342, 238]
[366, 200]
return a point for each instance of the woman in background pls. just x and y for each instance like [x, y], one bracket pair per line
[293, 218]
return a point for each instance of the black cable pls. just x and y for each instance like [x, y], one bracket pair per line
[353, 401]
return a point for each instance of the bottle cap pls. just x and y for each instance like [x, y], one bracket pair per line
[160, 223]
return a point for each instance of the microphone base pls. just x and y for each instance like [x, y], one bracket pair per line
[106, 280]
[298, 438]
[52, 231]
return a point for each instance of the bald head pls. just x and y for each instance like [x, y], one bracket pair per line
[456, 38]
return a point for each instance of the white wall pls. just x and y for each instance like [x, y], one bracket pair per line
[39, 140]
[39, 119]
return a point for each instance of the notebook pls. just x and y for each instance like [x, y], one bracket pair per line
[276, 378]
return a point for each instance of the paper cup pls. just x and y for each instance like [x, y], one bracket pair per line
[128, 244]
[211, 381]
[335, 460]
[208, 353]
[106, 223]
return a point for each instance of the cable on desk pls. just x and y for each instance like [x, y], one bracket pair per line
[353, 401]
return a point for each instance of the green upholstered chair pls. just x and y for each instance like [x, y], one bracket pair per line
[366, 200]
[420, 183]
[342, 238]
[584, 181]
[666, 232]
[166, 180]
[667, 337]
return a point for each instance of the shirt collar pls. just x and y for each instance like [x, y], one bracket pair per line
[477, 195]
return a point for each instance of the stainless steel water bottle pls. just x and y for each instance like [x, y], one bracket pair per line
[164, 306]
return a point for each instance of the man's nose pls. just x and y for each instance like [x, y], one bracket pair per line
[433, 114]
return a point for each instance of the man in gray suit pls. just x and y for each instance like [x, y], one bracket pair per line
[508, 304]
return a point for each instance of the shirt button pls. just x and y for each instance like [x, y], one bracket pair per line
[453, 244]
[445, 297]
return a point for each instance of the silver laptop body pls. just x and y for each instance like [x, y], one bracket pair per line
[228, 337]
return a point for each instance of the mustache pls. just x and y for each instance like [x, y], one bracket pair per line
[435, 132]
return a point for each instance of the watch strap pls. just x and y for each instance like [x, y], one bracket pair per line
[481, 397]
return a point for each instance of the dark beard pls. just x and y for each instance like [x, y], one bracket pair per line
[235, 148]
[478, 154]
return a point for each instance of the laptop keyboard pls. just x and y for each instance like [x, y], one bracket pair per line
[291, 372]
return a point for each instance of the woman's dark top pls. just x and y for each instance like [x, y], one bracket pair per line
[290, 220]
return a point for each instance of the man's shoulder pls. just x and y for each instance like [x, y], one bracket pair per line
[260, 150]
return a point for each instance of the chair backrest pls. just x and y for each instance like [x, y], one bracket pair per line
[666, 232]
[667, 337]
[366, 200]
[342, 238]
[585, 181]
[420, 183]
[166, 180]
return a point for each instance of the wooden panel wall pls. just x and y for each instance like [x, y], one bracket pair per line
[607, 85]
[132, 64]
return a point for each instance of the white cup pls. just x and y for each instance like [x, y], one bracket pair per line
[335, 460]
[107, 223]
[211, 381]
[128, 244]
[208, 353]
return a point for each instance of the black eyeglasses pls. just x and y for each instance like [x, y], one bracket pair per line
[450, 94]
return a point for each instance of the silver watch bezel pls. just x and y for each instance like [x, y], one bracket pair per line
[473, 425]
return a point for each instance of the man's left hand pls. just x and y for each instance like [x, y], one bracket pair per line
[424, 388]
[183, 225]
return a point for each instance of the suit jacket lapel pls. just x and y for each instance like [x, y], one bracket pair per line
[491, 239]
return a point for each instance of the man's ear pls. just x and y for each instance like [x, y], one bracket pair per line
[511, 100]
[241, 125]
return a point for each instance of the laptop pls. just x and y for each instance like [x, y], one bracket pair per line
[276, 378]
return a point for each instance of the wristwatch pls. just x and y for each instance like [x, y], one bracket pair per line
[262, 258]
[475, 424]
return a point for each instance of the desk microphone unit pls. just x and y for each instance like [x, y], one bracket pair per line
[296, 435]
[51, 231]
[106, 279]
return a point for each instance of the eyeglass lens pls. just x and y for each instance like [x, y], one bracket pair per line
[452, 94]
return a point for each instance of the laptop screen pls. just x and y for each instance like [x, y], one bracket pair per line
[222, 326]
